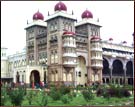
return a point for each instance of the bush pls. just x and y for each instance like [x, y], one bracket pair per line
[113, 91]
[88, 95]
[17, 96]
[99, 92]
[125, 93]
[30, 96]
[4, 96]
[65, 99]
[64, 89]
[73, 94]
[44, 99]
[70, 96]
[55, 94]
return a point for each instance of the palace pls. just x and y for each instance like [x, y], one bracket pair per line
[61, 49]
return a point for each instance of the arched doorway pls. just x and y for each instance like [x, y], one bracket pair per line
[118, 71]
[35, 77]
[129, 72]
[81, 71]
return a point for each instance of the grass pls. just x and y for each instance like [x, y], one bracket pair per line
[79, 101]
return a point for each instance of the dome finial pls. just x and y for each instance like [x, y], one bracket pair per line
[72, 12]
[48, 13]
[27, 22]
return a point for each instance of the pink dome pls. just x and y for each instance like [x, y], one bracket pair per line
[87, 14]
[38, 16]
[95, 38]
[68, 33]
[60, 6]
[124, 42]
[110, 39]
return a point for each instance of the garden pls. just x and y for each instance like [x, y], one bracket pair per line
[61, 95]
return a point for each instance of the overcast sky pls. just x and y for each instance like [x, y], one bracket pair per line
[117, 18]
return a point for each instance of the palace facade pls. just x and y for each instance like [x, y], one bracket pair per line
[61, 49]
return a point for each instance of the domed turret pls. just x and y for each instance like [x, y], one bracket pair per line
[69, 33]
[110, 39]
[60, 6]
[95, 38]
[87, 14]
[38, 16]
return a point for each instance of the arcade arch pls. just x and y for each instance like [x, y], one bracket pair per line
[129, 72]
[106, 71]
[117, 68]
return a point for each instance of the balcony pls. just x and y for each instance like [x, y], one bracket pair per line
[96, 58]
[69, 55]
[69, 45]
[97, 65]
[107, 53]
[69, 64]
[96, 49]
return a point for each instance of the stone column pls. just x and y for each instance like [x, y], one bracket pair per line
[110, 68]
[124, 74]
[118, 80]
[114, 80]
[105, 80]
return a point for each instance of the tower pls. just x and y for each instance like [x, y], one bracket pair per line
[36, 40]
[85, 30]
[61, 45]
[96, 59]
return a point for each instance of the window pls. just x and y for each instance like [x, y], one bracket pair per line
[79, 73]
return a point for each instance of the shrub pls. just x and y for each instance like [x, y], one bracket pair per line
[55, 94]
[65, 99]
[42, 99]
[64, 90]
[125, 93]
[73, 94]
[113, 91]
[4, 96]
[30, 96]
[17, 95]
[88, 95]
[99, 92]
[70, 96]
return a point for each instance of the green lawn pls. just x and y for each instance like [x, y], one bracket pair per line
[79, 101]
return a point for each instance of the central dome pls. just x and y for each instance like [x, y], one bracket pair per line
[60, 6]
[38, 16]
[87, 14]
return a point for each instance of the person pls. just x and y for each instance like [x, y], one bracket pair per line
[41, 84]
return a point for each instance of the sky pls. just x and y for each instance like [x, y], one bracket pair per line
[116, 18]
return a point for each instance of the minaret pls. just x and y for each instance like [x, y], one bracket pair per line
[60, 27]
